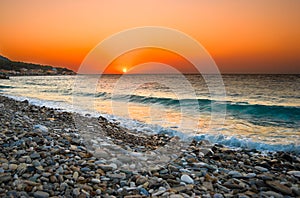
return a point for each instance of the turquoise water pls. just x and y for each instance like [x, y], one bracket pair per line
[258, 111]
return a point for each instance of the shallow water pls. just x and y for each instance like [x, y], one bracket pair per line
[260, 111]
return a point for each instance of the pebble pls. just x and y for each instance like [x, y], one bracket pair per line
[75, 175]
[218, 195]
[261, 169]
[35, 155]
[41, 194]
[105, 167]
[280, 187]
[76, 192]
[294, 173]
[95, 181]
[272, 194]
[13, 166]
[187, 179]
[234, 173]
[5, 177]
[144, 192]
[141, 180]
[53, 179]
[40, 128]
[98, 192]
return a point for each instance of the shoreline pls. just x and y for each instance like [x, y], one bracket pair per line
[42, 155]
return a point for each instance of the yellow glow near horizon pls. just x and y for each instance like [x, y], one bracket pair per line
[124, 70]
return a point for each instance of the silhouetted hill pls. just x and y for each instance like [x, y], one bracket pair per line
[14, 68]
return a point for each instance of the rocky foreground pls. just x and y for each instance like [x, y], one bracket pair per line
[43, 155]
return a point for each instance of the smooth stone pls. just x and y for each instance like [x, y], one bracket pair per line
[162, 188]
[132, 184]
[232, 185]
[5, 177]
[206, 196]
[294, 173]
[85, 169]
[3, 160]
[5, 166]
[280, 187]
[75, 175]
[296, 190]
[158, 193]
[114, 166]
[234, 173]
[40, 128]
[41, 194]
[63, 186]
[35, 155]
[73, 147]
[102, 154]
[98, 192]
[173, 168]
[261, 169]
[208, 185]
[251, 175]
[53, 179]
[36, 163]
[117, 176]
[164, 171]
[46, 174]
[87, 188]
[100, 162]
[95, 181]
[272, 194]
[76, 192]
[204, 165]
[141, 180]
[187, 179]
[143, 191]
[105, 179]
[222, 188]
[218, 195]
[13, 166]
[40, 168]
[105, 167]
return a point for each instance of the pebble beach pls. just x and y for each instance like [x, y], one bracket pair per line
[44, 155]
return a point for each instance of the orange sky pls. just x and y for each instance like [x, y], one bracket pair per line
[242, 36]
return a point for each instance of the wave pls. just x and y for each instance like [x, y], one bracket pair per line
[230, 141]
[257, 114]
[264, 115]
[6, 87]
[246, 143]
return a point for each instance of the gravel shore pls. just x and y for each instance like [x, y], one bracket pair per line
[43, 154]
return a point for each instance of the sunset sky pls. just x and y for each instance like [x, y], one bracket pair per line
[242, 36]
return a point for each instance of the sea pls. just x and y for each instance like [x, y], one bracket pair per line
[251, 111]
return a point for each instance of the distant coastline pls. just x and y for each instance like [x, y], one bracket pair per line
[13, 68]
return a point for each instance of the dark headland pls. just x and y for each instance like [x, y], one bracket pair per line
[43, 155]
[14, 68]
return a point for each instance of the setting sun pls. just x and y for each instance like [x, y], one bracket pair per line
[124, 70]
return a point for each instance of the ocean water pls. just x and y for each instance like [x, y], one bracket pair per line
[257, 111]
